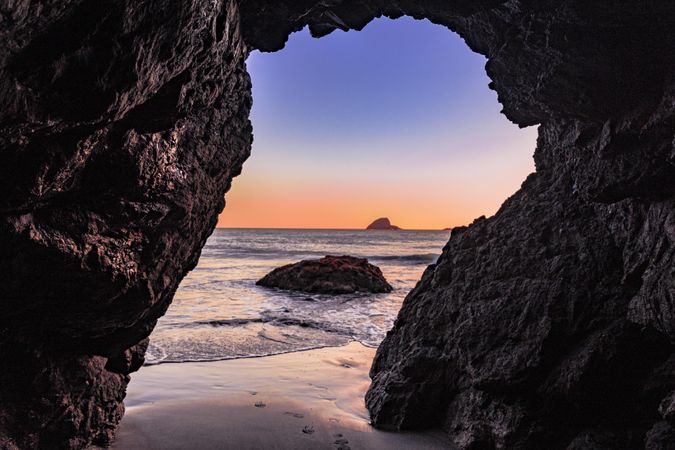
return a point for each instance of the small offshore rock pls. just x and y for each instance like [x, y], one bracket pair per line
[328, 275]
[382, 223]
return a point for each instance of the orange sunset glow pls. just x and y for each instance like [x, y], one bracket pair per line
[413, 195]
[356, 126]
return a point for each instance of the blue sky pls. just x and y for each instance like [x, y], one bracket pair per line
[396, 120]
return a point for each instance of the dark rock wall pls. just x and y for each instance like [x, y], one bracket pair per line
[549, 325]
[122, 124]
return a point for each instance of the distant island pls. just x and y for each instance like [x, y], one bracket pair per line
[382, 224]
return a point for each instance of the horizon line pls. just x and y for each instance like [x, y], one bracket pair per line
[328, 228]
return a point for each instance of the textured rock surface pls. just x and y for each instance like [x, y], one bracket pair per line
[382, 223]
[122, 124]
[549, 325]
[328, 275]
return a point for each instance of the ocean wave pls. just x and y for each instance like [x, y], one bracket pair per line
[279, 253]
[167, 360]
[225, 322]
[303, 323]
[418, 258]
[220, 314]
[238, 252]
[275, 321]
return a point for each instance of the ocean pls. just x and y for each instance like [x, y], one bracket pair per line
[219, 312]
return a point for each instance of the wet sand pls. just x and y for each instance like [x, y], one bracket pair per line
[305, 400]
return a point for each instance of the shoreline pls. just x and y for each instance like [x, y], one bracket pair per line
[309, 399]
[234, 358]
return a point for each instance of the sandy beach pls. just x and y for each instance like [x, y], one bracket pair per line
[303, 400]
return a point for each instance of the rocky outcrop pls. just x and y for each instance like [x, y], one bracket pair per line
[122, 124]
[549, 325]
[382, 224]
[328, 275]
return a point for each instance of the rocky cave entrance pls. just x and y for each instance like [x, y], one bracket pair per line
[124, 122]
[394, 120]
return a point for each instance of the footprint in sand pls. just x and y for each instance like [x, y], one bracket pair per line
[260, 405]
[308, 429]
[341, 442]
[296, 415]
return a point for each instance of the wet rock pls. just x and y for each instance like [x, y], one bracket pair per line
[328, 275]
[382, 224]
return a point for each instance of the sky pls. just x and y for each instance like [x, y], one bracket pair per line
[393, 121]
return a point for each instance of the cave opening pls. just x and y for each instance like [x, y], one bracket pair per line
[395, 120]
[122, 131]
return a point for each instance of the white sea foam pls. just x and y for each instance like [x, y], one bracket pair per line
[219, 312]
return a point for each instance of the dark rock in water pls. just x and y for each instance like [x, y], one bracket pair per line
[548, 325]
[328, 275]
[382, 224]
